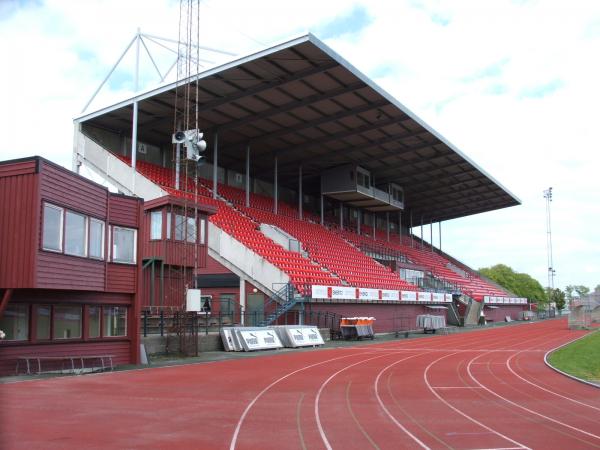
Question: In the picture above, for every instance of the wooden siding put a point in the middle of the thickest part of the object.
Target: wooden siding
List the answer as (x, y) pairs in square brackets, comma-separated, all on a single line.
[(68, 296), (57, 271), (18, 224), (124, 211), (121, 278), (213, 267), (120, 348), (64, 188)]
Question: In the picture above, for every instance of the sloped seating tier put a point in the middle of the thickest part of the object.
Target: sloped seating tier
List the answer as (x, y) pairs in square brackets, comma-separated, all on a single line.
[(337, 251), (302, 272)]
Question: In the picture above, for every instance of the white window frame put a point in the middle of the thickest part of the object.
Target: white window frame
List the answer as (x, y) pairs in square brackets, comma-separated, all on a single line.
[(85, 233), (112, 253), (61, 227), (102, 244)]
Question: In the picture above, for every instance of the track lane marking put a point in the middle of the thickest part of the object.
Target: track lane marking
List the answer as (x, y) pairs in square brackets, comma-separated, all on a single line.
[(298, 424), (360, 427), (558, 422), (322, 387), (472, 419), (260, 394)]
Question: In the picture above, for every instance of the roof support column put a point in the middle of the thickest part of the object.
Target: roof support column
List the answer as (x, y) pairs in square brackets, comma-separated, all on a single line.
[(431, 234), (341, 216), (248, 176), (275, 192), (374, 224), (177, 164), (412, 244), (387, 225), (215, 164), (300, 194), (421, 232), (322, 209), (359, 214), (400, 227), (135, 103), (440, 232)]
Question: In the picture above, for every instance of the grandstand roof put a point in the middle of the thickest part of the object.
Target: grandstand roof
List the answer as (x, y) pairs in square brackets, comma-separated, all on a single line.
[(301, 101)]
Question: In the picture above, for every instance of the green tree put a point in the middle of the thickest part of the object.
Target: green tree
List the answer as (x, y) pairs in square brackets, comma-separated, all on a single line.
[(557, 296), (597, 289), (576, 291), (520, 284)]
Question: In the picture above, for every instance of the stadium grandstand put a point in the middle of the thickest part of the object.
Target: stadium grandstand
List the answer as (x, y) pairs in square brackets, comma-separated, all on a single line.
[(316, 177)]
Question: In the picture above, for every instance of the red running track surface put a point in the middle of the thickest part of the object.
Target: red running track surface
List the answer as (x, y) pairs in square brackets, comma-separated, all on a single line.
[(486, 389)]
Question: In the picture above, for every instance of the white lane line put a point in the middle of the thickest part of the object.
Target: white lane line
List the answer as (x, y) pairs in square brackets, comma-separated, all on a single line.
[(388, 413), (558, 422), (455, 387), (325, 383), (472, 419), (255, 399), (508, 365)]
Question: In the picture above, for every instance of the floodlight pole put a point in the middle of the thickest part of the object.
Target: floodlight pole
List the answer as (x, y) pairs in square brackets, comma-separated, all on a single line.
[(551, 271)]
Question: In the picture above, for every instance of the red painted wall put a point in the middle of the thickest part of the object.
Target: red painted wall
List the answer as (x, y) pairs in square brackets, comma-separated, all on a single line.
[(389, 317), (40, 276), (499, 314), (18, 223)]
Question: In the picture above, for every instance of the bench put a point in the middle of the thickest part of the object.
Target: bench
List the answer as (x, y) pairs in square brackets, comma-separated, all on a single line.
[(68, 364)]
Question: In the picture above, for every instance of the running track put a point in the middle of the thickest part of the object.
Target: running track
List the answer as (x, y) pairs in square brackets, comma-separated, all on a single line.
[(482, 390)]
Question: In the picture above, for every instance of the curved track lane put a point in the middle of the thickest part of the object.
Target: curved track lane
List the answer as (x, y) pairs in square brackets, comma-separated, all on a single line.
[(485, 389)]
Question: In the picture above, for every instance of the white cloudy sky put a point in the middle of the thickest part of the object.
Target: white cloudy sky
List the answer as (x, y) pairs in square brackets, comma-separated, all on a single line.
[(514, 84)]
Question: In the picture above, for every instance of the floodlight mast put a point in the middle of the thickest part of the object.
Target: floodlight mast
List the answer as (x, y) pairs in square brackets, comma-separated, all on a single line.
[(551, 271)]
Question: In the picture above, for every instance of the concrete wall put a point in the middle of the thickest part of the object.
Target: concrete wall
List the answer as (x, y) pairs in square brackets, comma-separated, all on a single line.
[(115, 171)]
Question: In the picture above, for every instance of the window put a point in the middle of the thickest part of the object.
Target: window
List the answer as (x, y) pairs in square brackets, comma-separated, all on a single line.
[(15, 322), (156, 225), (43, 315), (179, 227), (191, 231), (202, 231), (168, 225), (96, 239), (124, 245), (93, 322), (75, 234), (205, 304), (53, 225), (115, 321), (67, 322)]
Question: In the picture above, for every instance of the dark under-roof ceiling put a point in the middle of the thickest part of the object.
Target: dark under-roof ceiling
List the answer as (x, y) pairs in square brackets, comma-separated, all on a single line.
[(303, 103)]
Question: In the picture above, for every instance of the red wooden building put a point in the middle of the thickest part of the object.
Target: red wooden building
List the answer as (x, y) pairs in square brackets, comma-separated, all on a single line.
[(174, 248), (70, 267)]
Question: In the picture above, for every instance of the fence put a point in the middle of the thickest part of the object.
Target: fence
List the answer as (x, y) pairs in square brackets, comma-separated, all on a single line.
[(585, 312)]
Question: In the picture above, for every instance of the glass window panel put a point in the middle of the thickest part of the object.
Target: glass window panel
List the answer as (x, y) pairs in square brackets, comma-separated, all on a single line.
[(191, 231), (123, 245), (67, 322), (226, 303), (96, 239), (75, 234), (168, 225), (15, 322), (42, 321), (156, 225), (202, 231), (179, 227), (52, 233), (115, 321), (93, 321)]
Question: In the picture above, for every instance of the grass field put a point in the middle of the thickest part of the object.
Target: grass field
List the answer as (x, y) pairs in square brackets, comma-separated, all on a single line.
[(581, 358)]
